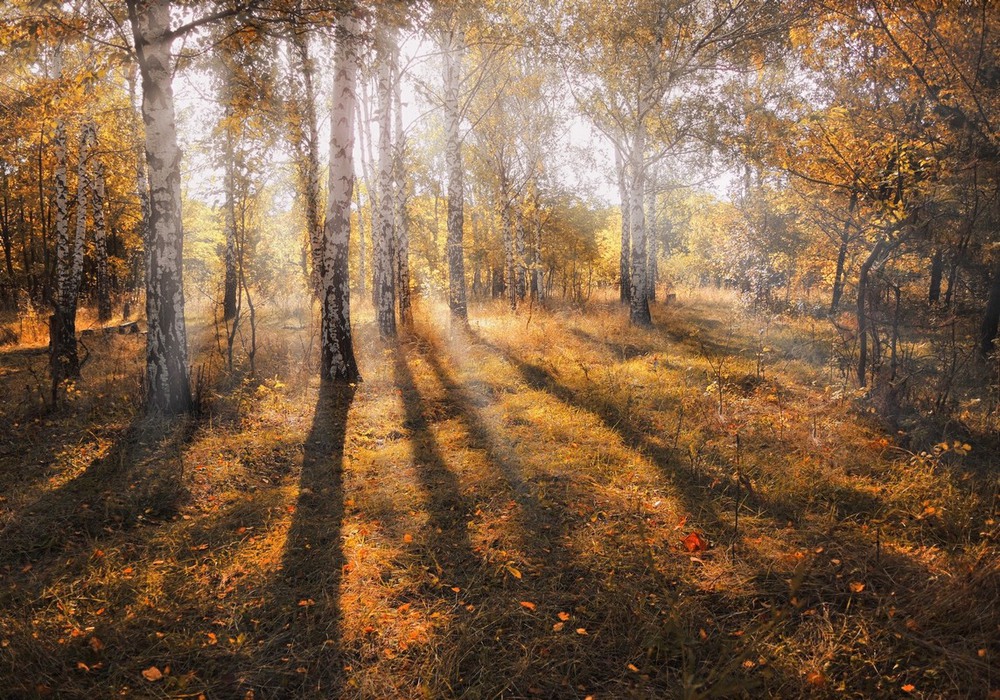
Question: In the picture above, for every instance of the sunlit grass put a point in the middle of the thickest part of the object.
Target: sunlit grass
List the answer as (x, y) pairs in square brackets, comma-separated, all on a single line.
[(505, 519)]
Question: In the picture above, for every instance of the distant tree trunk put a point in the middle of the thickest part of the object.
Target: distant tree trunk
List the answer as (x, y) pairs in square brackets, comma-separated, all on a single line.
[(401, 227), (63, 358), (862, 314), (362, 253), (167, 372), (140, 263), (101, 245), (537, 283), (624, 262), (638, 303), (507, 231), (991, 315), (651, 240), (337, 354), (384, 269), (937, 272), (309, 157), (845, 238), (231, 278), (519, 259), (453, 48)]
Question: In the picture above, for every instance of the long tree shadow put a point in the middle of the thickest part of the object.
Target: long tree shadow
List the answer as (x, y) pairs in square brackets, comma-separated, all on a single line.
[(447, 543), (137, 482), (297, 627), (693, 486), (543, 527)]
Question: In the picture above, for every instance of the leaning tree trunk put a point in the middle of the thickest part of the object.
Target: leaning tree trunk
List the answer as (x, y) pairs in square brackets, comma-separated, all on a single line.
[(453, 50), (624, 261), (101, 245), (638, 303), (337, 356), (401, 224), (384, 275), (167, 373)]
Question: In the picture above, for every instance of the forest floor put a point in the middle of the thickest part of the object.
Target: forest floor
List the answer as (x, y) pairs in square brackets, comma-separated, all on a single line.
[(548, 505)]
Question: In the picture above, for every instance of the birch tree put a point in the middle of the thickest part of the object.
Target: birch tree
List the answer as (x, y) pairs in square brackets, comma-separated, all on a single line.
[(337, 352), (382, 229)]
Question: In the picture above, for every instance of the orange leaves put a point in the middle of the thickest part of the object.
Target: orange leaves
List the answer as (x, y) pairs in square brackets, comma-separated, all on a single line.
[(857, 586), (528, 605), (564, 616), (695, 543), (558, 627), (408, 538), (306, 602), (908, 688), (152, 674)]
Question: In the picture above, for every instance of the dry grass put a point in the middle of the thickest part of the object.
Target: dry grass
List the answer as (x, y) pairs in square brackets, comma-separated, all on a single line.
[(493, 513)]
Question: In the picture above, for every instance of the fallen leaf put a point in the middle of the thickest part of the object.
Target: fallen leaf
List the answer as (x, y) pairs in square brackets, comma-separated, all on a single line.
[(212, 639), (529, 606), (96, 644), (557, 627), (564, 616), (908, 688), (857, 586), (152, 674), (408, 538), (306, 602), (581, 630), (815, 679), (83, 667), (633, 668), (695, 543)]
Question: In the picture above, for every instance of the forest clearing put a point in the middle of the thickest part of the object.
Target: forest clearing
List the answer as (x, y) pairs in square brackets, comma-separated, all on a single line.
[(499, 349), (495, 515)]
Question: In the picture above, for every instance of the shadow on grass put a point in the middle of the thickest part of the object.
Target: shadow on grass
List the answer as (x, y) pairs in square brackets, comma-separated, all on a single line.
[(296, 635), (138, 482)]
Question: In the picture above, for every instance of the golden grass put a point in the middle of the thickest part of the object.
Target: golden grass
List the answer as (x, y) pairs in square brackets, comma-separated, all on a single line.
[(493, 513)]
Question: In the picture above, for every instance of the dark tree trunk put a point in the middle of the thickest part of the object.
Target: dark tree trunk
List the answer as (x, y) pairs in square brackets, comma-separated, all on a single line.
[(991, 316), (937, 272), (845, 239)]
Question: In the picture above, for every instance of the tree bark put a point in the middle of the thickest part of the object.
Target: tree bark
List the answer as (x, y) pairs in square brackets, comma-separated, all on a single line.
[(401, 222), (101, 245), (624, 262), (382, 235), (452, 46), (991, 316), (309, 151), (167, 373), (63, 358), (638, 303), (937, 272), (651, 239), (231, 277), (337, 355), (845, 238)]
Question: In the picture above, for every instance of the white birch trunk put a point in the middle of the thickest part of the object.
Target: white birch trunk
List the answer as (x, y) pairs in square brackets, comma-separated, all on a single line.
[(101, 244), (638, 303), (401, 224), (453, 47), (167, 373), (382, 233), (337, 353)]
